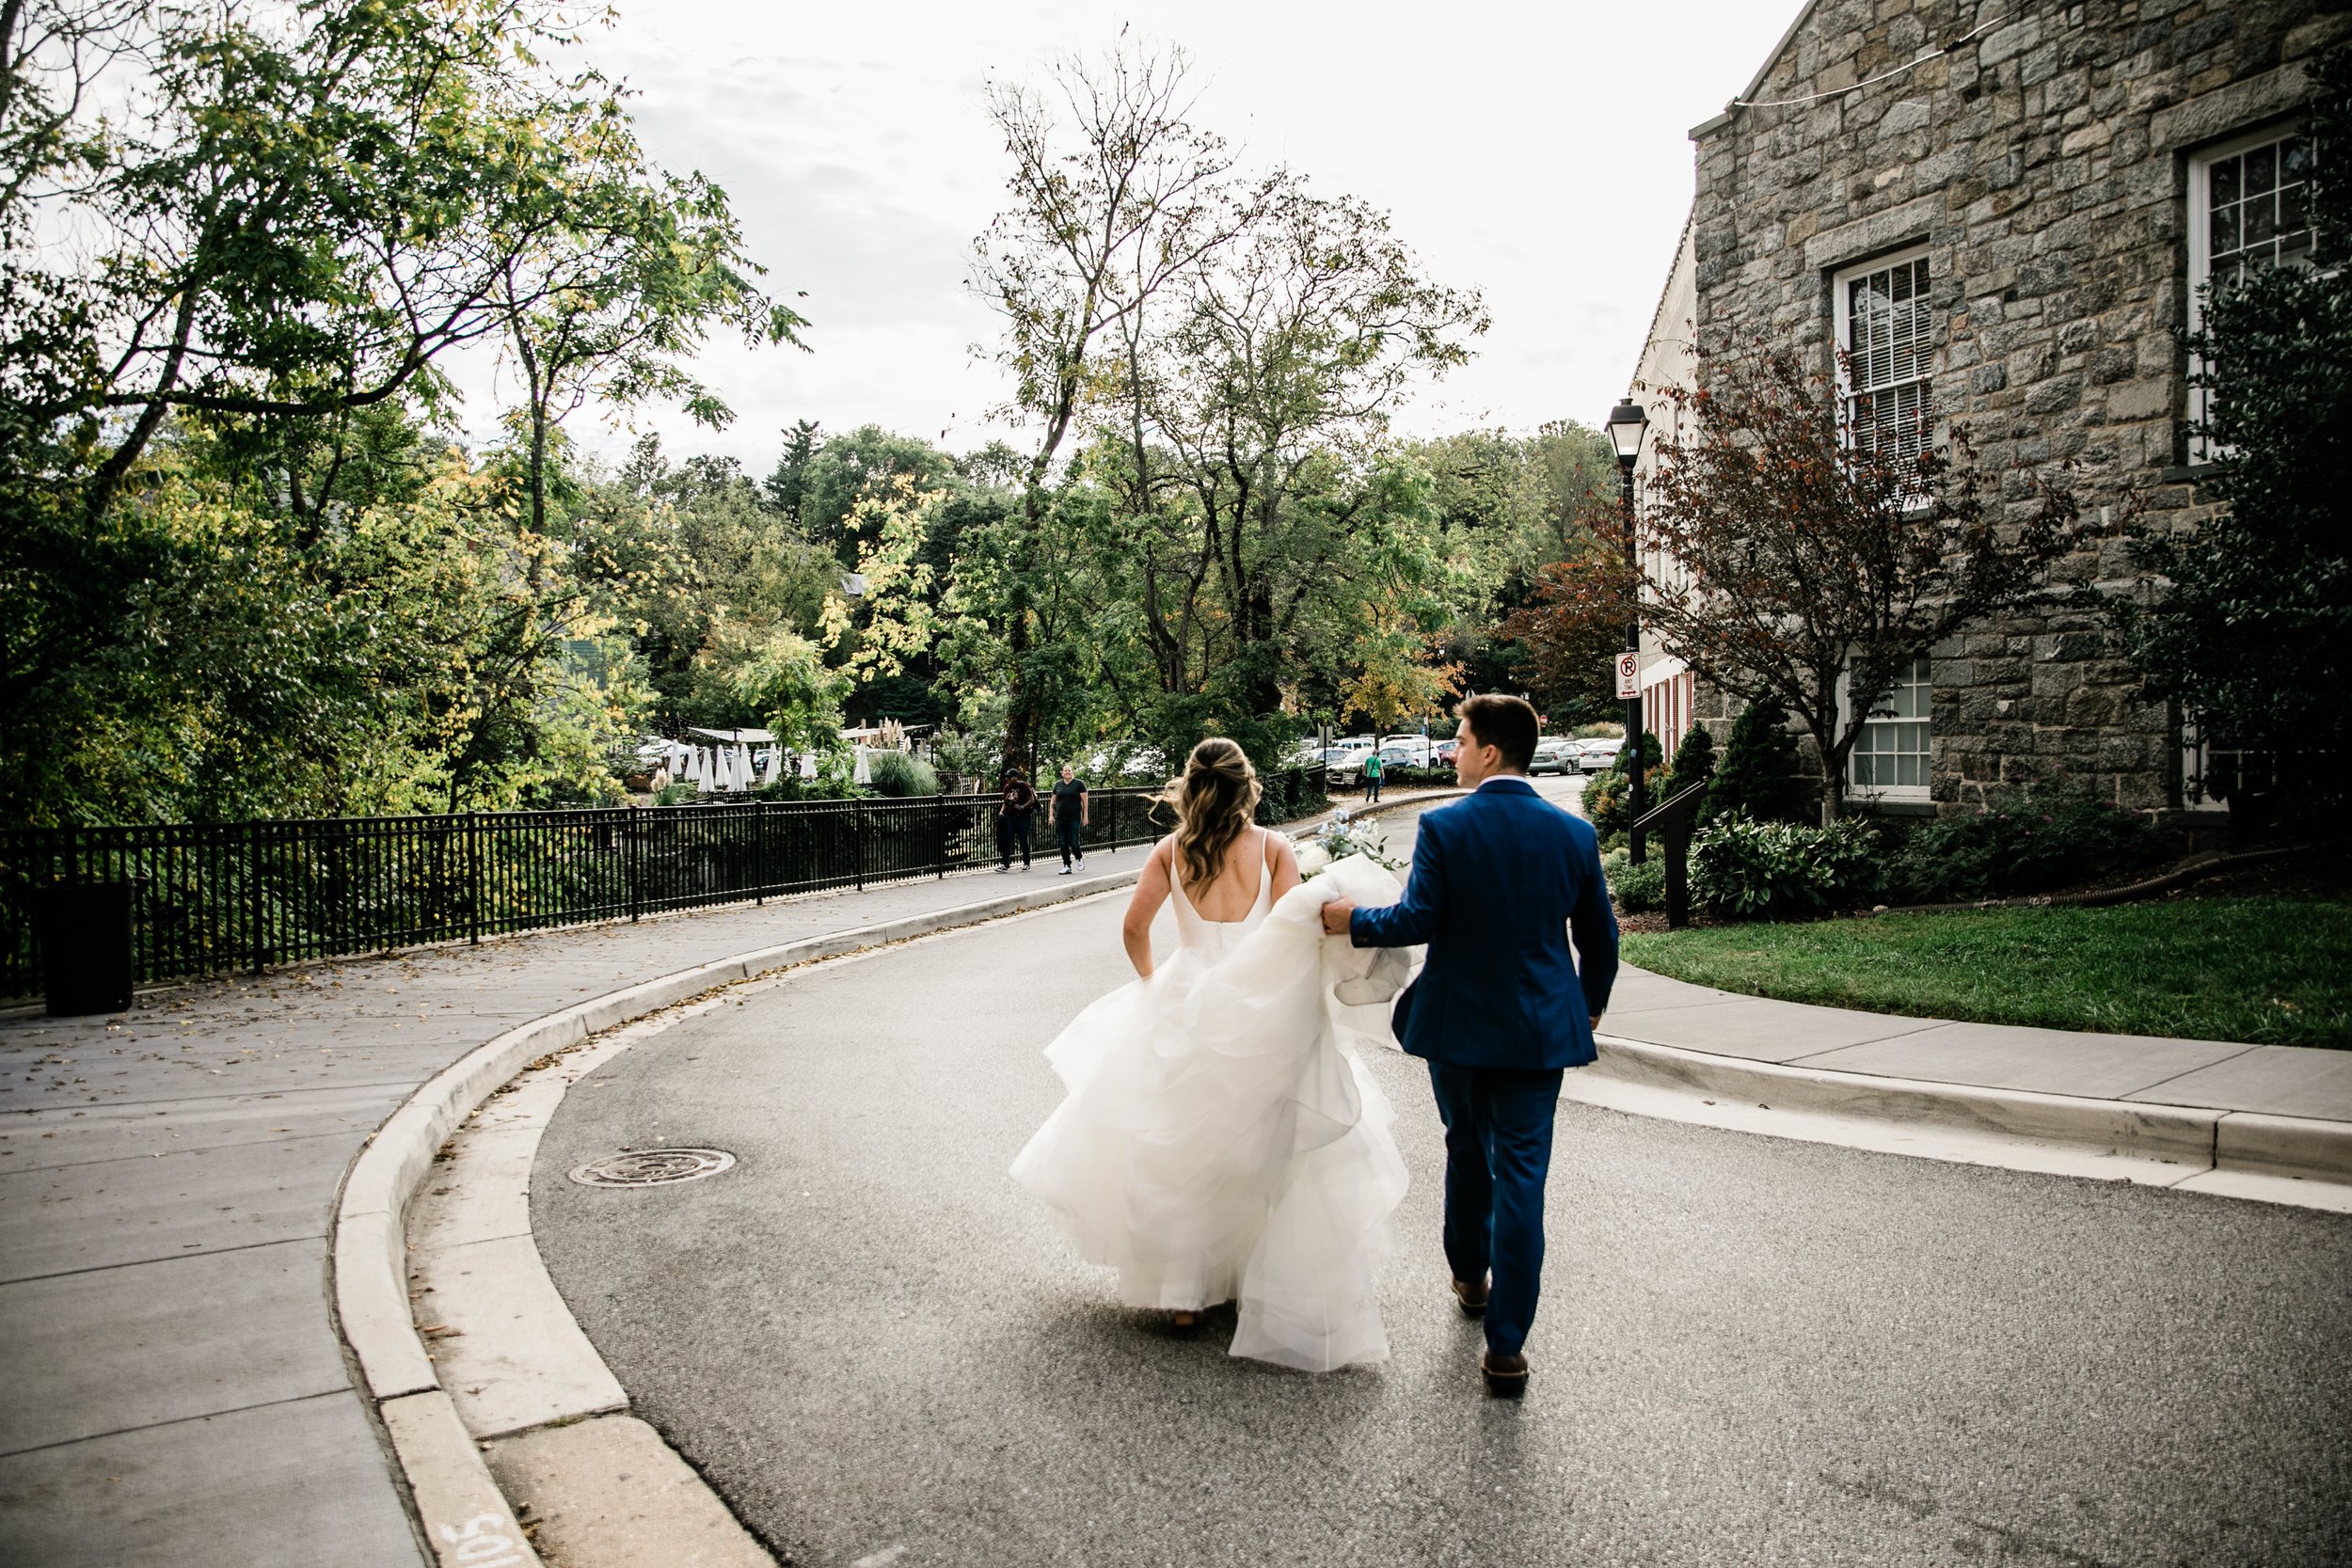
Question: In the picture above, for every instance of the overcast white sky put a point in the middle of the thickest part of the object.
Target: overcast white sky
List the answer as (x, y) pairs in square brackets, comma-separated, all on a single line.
[(1537, 151)]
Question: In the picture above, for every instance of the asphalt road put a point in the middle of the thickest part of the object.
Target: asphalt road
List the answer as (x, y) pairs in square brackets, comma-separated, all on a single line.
[(1751, 1351)]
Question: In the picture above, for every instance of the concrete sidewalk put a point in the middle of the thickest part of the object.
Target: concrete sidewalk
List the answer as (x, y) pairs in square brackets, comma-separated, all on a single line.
[(175, 1390), (2271, 1079)]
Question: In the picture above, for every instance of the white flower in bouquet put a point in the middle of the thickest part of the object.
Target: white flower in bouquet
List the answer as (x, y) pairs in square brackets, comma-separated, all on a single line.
[(1340, 838)]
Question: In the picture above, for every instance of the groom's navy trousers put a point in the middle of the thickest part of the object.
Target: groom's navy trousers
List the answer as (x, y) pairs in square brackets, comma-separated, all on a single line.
[(1501, 881)]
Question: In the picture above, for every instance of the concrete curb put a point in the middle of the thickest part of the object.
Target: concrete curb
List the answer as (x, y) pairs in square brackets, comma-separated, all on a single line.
[(458, 1503), (2190, 1139)]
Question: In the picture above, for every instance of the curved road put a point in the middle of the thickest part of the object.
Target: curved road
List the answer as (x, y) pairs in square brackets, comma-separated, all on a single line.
[(1752, 1351)]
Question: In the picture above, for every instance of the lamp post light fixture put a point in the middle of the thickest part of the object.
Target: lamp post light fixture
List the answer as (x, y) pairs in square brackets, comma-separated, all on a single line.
[(1627, 425)]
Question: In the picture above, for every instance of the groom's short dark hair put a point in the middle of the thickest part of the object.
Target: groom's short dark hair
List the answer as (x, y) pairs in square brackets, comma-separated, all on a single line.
[(1506, 723)]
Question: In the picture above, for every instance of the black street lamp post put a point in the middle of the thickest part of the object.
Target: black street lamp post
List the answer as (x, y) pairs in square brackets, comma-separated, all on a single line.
[(1627, 424)]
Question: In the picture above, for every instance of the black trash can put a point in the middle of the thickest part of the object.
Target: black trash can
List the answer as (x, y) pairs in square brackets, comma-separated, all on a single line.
[(86, 961)]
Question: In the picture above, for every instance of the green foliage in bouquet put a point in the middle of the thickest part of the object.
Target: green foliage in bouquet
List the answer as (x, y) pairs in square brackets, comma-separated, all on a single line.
[(1340, 838)]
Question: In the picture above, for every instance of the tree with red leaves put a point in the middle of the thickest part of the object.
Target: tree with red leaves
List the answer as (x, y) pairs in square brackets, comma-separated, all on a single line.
[(1803, 543)]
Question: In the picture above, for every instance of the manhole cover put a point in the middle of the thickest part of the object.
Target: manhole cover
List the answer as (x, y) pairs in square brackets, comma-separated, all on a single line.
[(652, 1167)]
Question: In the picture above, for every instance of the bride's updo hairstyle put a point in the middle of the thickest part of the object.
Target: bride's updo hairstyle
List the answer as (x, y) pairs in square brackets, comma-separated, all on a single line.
[(1214, 800)]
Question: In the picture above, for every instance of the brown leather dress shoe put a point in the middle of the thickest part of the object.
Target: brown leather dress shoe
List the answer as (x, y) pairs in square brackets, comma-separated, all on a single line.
[(1506, 1375), (1472, 1297)]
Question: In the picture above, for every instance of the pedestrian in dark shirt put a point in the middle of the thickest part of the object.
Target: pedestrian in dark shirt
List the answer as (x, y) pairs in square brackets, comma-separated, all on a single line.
[(1016, 814), (1067, 811)]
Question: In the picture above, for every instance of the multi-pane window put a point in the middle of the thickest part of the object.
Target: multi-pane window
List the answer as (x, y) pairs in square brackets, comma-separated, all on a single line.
[(1887, 334), (2249, 207), (2210, 775), (2258, 208), (1890, 755)]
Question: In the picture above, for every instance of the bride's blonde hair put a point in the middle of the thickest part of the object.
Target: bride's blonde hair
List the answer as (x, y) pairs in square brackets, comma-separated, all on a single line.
[(1215, 801)]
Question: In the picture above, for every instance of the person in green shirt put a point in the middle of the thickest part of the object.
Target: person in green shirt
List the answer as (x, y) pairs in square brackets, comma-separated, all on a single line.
[(1372, 778)]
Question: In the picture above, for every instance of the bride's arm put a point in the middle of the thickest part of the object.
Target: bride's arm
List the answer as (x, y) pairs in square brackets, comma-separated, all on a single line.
[(1151, 892)]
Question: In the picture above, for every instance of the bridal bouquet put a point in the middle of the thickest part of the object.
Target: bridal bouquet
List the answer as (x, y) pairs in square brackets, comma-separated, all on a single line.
[(1340, 838), (1349, 859)]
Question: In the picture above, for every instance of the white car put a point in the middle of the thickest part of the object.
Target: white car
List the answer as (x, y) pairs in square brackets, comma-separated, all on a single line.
[(1407, 751), (1345, 762), (1596, 755)]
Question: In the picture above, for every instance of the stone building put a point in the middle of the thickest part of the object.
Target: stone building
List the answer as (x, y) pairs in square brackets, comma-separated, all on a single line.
[(2010, 205)]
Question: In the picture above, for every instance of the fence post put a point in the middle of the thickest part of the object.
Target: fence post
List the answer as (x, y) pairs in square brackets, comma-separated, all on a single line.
[(473, 877), (857, 840), (629, 862), (253, 892), (759, 853)]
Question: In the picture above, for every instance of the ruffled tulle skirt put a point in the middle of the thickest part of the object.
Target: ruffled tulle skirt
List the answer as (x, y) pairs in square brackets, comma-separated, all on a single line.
[(1221, 1140)]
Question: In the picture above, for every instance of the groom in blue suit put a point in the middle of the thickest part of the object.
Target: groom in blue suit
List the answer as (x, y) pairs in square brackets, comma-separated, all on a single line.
[(1499, 882)]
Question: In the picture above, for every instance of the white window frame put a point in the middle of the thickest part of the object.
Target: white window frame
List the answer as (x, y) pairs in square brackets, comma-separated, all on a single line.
[(2195, 763), (1924, 790), (1840, 294), (2200, 255)]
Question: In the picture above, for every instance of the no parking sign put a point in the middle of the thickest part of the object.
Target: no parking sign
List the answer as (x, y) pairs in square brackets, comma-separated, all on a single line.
[(1629, 674)]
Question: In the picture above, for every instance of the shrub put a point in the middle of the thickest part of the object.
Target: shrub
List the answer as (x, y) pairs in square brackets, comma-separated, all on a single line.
[(1693, 764), (966, 754), (1604, 803), (1757, 778), (1743, 869), (1608, 799), (899, 774), (1636, 887), (2024, 841), (826, 786), (1652, 755)]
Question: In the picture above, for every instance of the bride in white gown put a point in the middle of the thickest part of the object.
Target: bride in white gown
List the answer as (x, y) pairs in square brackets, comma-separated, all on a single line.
[(1221, 1141)]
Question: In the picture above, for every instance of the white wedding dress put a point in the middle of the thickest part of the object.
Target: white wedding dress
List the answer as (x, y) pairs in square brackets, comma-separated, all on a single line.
[(1222, 1141)]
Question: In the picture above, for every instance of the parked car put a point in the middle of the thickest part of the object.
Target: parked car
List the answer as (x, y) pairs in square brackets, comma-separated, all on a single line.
[(1598, 753), (1553, 754), (1443, 754), (1406, 750), (1345, 764)]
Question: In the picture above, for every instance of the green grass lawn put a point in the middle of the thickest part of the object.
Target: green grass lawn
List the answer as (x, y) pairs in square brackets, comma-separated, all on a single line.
[(2271, 971)]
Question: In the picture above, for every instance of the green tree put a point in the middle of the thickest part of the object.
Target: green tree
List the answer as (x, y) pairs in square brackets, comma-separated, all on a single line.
[(840, 473), (2247, 621), (1113, 194), (242, 573), (1758, 776), (1694, 762)]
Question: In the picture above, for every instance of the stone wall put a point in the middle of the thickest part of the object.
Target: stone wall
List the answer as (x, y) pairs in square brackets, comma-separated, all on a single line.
[(2043, 165)]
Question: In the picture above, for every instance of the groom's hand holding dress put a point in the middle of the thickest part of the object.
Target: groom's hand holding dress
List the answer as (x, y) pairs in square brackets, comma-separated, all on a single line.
[(1499, 880)]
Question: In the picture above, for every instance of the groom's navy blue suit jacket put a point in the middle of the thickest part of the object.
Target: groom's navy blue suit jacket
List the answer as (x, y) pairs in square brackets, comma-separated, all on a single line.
[(1500, 879)]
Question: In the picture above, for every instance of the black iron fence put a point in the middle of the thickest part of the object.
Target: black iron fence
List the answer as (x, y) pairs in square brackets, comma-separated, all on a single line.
[(208, 898)]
